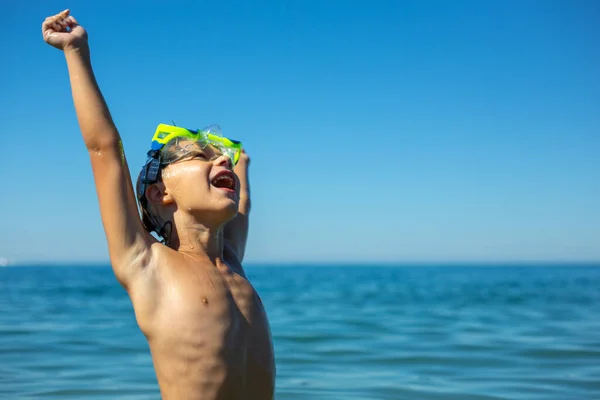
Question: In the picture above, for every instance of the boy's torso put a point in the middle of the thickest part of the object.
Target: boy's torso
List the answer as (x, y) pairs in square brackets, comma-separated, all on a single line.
[(207, 330)]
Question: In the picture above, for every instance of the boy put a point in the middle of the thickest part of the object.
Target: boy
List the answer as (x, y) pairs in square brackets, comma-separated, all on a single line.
[(205, 324)]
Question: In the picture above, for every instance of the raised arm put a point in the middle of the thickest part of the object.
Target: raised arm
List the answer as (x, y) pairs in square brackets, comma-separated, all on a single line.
[(128, 242), (236, 230)]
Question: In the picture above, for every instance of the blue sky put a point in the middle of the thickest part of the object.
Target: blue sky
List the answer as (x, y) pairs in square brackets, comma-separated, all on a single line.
[(381, 131)]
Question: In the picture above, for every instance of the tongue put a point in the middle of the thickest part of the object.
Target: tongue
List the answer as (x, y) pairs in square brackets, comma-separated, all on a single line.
[(221, 183)]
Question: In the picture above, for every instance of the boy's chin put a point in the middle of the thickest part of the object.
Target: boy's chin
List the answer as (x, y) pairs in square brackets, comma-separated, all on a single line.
[(221, 210), (224, 211)]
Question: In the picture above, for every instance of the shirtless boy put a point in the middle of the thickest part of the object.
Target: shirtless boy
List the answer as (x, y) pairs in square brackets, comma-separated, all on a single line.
[(205, 324)]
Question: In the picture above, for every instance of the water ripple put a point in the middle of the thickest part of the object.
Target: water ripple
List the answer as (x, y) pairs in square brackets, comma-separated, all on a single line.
[(339, 333)]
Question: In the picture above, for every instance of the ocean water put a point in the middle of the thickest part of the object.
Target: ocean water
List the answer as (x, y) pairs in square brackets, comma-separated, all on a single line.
[(460, 333)]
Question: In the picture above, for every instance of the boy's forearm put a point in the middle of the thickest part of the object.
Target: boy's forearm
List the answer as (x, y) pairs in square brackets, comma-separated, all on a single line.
[(95, 121), (244, 204), (236, 230)]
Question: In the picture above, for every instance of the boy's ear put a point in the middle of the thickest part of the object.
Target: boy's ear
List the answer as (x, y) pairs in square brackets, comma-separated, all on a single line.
[(158, 194)]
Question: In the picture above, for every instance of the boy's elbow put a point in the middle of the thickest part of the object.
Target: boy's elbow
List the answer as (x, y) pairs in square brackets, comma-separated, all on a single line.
[(104, 144), (100, 137)]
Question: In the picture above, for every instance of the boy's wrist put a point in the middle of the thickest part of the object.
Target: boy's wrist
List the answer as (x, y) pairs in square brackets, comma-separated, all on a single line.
[(77, 48)]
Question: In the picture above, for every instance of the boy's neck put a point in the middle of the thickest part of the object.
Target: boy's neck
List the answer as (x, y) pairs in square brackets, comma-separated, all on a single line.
[(198, 241)]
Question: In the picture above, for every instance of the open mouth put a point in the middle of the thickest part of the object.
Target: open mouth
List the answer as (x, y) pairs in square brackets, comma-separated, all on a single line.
[(224, 180)]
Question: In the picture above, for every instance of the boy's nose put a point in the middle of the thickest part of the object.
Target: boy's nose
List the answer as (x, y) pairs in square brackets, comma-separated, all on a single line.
[(224, 161)]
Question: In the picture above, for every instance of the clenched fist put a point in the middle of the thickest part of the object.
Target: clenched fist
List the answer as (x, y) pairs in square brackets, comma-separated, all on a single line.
[(63, 32)]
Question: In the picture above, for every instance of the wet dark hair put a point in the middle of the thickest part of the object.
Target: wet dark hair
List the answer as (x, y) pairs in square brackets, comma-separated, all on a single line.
[(150, 221)]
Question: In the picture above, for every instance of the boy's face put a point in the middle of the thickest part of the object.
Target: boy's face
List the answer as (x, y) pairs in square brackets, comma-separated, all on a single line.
[(201, 181)]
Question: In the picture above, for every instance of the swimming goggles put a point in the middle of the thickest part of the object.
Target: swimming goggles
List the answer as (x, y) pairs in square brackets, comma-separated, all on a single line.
[(167, 136)]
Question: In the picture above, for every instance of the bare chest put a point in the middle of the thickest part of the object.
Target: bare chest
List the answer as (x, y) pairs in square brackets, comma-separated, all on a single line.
[(221, 303)]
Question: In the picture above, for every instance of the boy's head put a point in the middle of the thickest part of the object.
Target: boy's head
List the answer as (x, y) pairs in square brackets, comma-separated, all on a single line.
[(190, 171)]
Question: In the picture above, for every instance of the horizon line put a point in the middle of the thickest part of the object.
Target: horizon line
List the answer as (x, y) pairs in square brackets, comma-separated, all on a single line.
[(359, 263)]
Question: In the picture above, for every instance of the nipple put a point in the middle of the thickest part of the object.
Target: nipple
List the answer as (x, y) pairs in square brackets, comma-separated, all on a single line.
[(205, 300)]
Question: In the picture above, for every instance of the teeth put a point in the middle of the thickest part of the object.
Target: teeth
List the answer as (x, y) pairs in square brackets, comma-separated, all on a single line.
[(225, 178)]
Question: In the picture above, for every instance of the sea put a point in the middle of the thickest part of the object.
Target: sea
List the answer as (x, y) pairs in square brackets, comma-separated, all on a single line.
[(344, 332)]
